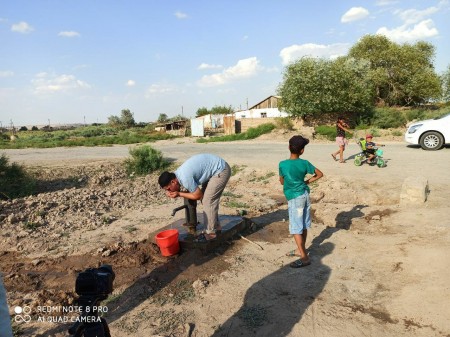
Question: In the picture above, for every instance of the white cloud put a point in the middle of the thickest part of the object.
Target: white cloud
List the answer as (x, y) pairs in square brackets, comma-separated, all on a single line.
[(6, 73), (69, 34), (243, 69), (385, 2), (209, 66), (422, 30), (416, 24), (47, 84), (354, 14), (181, 15), (130, 83), (411, 16), (160, 89), (22, 27), (294, 52)]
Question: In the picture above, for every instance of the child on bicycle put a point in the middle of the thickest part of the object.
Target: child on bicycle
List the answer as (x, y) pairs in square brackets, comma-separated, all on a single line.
[(371, 148)]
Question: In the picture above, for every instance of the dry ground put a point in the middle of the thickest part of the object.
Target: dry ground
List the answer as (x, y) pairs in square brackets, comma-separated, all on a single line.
[(378, 268)]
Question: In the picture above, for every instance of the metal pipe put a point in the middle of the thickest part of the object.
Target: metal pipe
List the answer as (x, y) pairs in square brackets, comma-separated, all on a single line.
[(177, 209), (190, 212)]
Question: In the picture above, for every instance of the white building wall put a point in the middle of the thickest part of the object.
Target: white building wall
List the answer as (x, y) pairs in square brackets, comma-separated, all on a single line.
[(197, 128), (259, 113), (212, 121)]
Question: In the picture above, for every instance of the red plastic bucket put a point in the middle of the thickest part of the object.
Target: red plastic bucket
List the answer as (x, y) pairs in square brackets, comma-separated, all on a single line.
[(167, 242)]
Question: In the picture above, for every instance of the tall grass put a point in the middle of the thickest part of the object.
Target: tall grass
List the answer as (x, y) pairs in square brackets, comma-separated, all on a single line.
[(251, 133), (84, 136)]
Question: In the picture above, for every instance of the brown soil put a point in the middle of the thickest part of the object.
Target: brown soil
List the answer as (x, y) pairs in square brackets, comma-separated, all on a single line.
[(378, 268)]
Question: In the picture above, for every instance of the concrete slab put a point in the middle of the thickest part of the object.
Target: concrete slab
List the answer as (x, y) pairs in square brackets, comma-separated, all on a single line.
[(231, 225)]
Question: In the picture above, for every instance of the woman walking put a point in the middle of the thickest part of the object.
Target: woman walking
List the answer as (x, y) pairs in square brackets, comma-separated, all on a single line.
[(341, 141)]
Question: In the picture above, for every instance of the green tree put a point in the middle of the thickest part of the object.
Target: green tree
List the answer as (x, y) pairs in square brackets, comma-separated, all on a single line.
[(114, 121), (127, 118), (178, 118), (202, 112), (311, 86), (215, 110), (445, 80), (221, 110), (162, 118), (402, 74)]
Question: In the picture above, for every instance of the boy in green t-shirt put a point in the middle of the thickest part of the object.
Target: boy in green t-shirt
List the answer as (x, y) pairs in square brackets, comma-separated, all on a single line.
[(292, 176)]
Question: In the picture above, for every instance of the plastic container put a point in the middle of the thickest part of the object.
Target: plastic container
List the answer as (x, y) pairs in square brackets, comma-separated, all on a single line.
[(167, 242)]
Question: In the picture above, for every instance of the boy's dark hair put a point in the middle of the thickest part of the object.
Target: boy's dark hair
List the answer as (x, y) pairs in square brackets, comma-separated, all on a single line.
[(165, 178), (297, 144)]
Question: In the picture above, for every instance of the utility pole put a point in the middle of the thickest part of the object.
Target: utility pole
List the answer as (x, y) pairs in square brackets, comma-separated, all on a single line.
[(182, 111)]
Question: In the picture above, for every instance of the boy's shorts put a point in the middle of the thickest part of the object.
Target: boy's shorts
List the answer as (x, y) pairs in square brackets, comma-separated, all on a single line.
[(299, 214)]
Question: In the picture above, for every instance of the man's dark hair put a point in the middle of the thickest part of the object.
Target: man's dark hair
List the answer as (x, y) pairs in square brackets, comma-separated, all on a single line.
[(297, 144), (165, 178)]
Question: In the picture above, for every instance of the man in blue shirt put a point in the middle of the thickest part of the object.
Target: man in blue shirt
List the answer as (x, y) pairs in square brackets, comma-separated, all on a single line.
[(5, 325), (208, 171)]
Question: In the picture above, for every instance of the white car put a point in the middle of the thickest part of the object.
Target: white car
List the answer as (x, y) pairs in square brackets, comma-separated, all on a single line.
[(430, 134)]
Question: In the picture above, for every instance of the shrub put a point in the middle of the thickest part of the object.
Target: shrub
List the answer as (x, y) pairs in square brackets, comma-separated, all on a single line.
[(253, 133), (284, 123), (15, 182), (329, 132), (325, 130), (415, 115), (144, 160), (385, 118), (375, 132), (250, 134), (362, 127)]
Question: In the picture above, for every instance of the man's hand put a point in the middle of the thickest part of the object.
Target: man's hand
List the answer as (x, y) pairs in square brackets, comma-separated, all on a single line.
[(172, 194)]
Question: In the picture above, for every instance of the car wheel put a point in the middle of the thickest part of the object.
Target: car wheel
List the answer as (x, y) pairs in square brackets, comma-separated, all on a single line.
[(431, 141)]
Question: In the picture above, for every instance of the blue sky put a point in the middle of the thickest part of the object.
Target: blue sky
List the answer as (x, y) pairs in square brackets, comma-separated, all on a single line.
[(77, 61)]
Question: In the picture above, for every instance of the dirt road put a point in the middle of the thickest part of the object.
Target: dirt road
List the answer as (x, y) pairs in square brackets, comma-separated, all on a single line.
[(402, 160)]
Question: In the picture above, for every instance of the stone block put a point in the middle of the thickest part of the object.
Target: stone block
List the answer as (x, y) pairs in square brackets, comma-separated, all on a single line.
[(414, 191)]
